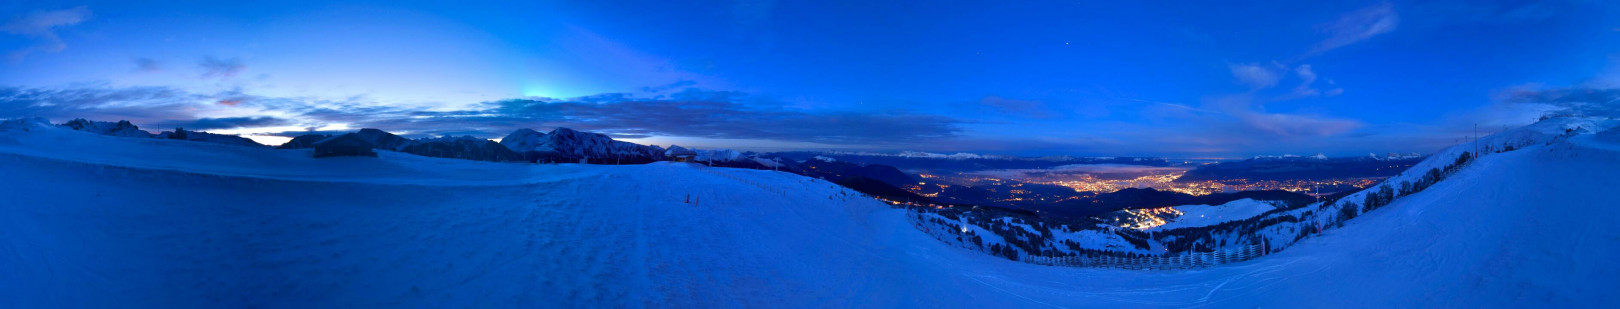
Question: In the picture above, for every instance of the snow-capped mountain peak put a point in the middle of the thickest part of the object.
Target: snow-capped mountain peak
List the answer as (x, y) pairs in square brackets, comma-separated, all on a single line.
[(122, 128), (577, 144), (522, 140)]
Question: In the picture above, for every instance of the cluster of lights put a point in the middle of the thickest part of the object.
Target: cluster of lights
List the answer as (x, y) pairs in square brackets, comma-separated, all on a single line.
[(1167, 182), (1147, 218), (1089, 183), (1086, 184)]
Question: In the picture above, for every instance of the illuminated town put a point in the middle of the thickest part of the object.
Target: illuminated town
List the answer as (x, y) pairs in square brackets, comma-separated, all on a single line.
[(1045, 189), (1088, 183)]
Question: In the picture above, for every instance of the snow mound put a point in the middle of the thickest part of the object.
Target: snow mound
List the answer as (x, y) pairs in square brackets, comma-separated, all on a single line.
[(716, 155), (24, 124)]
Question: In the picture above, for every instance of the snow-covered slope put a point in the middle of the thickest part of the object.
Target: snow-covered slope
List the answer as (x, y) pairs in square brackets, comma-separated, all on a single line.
[(163, 223), (1207, 215), (1537, 135)]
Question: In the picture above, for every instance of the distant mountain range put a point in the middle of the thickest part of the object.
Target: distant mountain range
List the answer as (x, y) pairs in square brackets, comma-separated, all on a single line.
[(123, 128), (561, 145), (1295, 167), (965, 162), (818, 167)]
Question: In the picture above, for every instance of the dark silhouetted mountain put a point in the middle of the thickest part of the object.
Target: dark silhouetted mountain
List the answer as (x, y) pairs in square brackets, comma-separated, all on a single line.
[(303, 141), (878, 188), (465, 147), (197, 136), (835, 170), (384, 140)]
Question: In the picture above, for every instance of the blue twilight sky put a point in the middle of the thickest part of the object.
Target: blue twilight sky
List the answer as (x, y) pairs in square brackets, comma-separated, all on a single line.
[(1182, 79)]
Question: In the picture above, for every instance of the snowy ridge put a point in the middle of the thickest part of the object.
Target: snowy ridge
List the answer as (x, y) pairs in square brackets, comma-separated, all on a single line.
[(122, 128), (720, 155), (1543, 132), (954, 156), (733, 156), (25, 124)]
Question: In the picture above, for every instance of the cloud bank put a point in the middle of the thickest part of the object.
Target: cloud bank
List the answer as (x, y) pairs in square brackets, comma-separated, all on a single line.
[(691, 113)]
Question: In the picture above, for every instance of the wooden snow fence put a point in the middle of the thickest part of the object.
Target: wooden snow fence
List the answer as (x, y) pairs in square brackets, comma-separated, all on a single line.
[(1185, 260)]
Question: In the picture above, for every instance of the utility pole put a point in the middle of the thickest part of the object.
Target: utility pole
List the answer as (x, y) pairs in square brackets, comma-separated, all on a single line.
[(1476, 140), (1314, 192)]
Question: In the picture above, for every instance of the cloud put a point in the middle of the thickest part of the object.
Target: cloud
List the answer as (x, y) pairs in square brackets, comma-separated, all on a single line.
[(1254, 75), (1245, 115), (1307, 77), (1288, 125), (147, 65), (42, 25), (221, 68), (1021, 108), (136, 104), (1307, 85), (700, 114), (225, 123), (682, 84), (1579, 100), (1228, 124), (1260, 77), (1357, 26)]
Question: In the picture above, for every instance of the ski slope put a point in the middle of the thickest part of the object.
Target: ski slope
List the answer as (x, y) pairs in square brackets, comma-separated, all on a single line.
[(98, 221)]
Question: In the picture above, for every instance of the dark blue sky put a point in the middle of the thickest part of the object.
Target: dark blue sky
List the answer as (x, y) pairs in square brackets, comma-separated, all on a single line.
[(1106, 78)]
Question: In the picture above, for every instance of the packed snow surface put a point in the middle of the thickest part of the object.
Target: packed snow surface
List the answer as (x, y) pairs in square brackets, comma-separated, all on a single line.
[(1207, 215), (89, 220)]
